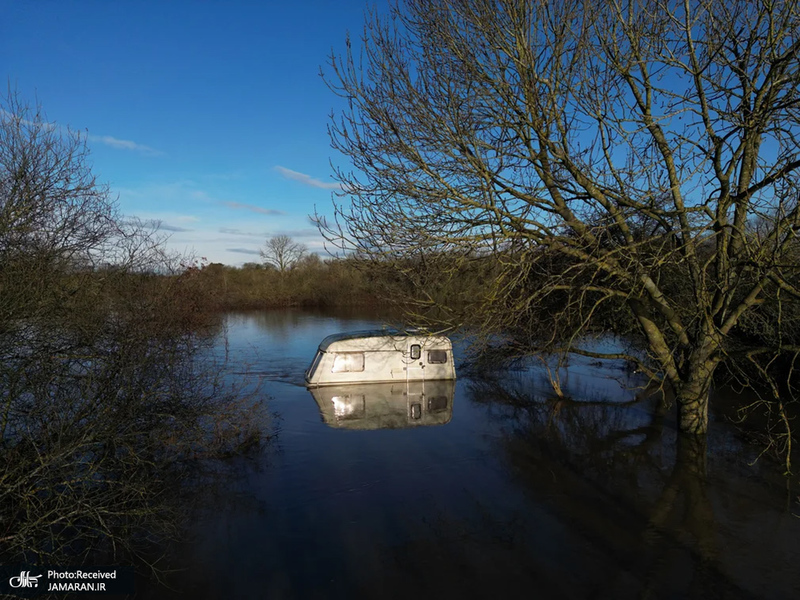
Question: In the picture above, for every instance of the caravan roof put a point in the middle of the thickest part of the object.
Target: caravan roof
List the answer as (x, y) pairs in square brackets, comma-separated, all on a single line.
[(376, 339)]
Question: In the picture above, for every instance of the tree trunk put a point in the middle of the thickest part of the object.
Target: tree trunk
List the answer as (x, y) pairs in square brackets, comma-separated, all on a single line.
[(692, 398)]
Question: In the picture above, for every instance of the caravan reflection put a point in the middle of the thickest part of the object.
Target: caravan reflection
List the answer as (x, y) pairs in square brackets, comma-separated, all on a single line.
[(386, 405)]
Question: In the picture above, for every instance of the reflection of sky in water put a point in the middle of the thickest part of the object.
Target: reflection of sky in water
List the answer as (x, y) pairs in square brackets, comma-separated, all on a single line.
[(279, 345), (517, 491)]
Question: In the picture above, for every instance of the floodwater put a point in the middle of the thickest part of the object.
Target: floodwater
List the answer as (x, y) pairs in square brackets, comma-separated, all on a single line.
[(479, 489)]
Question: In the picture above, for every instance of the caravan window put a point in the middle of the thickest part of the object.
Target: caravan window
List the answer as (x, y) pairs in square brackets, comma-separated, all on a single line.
[(416, 351), (348, 362), (437, 357), (437, 403)]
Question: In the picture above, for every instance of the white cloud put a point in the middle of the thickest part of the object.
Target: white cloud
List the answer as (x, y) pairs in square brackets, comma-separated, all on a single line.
[(235, 231), (299, 233), (252, 208), (166, 227), (307, 179), (292, 233), (17, 119), (201, 195), (123, 144), (100, 139), (155, 224)]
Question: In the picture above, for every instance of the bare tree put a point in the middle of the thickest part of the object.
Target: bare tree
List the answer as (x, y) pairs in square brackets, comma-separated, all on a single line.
[(106, 391), (282, 252), (50, 203), (639, 155)]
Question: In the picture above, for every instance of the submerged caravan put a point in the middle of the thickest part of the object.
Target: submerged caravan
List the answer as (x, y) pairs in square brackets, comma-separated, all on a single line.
[(377, 356)]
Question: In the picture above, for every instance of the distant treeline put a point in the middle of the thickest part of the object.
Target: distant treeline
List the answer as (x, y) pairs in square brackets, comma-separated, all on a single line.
[(438, 282), (311, 282)]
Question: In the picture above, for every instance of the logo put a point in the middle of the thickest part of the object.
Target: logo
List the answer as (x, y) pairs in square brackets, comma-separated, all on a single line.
[(24, 580)]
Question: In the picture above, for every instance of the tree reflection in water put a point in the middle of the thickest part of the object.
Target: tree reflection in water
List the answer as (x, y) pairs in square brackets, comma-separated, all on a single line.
[(619, 505)]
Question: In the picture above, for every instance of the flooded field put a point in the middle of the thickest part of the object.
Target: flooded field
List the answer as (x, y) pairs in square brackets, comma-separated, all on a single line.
[(481, 488)]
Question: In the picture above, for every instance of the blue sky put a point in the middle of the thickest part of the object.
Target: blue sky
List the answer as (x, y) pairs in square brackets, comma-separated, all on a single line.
[(207, 116)]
